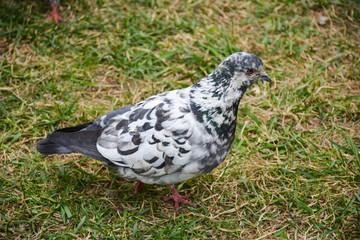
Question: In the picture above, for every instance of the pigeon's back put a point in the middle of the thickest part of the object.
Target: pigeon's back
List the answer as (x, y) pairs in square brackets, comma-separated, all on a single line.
[(156, 141), (159, 141)]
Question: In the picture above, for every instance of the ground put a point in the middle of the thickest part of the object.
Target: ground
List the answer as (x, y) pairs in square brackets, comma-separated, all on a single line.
[(294, 169)]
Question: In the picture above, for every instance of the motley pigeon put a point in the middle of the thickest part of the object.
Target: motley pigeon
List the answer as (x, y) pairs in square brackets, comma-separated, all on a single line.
[(53, 13), (171, 137)]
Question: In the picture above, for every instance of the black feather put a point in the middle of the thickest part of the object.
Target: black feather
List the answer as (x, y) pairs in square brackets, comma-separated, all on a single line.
[(73, 140), (47, 147)]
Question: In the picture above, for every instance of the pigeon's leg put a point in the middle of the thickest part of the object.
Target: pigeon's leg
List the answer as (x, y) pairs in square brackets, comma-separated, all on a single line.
[(139, 187), (54, 14), (179, 199)]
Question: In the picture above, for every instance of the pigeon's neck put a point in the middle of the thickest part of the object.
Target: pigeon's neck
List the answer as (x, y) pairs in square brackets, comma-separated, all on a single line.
[(215, 100)]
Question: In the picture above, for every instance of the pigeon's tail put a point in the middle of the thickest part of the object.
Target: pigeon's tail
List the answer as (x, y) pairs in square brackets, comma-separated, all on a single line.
[(76, 139), (46, 147)]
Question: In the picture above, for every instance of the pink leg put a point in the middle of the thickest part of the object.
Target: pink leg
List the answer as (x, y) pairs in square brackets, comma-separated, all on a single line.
[(179, 199), (54, 14), (139, 187)]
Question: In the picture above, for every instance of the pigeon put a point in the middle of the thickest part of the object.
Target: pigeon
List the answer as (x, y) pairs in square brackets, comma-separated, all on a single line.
[(170, 137), (53, 13)]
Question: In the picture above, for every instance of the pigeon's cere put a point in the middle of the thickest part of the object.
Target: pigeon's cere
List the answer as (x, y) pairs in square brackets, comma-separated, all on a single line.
[(171, 137)]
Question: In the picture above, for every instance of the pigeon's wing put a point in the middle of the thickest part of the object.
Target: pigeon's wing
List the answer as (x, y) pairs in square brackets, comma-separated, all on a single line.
[(105, 120), (152, 139)]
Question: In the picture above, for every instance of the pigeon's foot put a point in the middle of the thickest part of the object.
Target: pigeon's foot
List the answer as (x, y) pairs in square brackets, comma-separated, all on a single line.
[(139, 187), (54, 15), (179, 199)]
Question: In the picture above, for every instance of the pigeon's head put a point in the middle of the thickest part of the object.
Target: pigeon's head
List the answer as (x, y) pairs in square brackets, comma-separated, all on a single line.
[(231, 78), (246, 68)]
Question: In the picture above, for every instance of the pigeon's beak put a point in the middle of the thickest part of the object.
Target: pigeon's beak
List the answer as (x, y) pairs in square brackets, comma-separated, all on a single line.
[(265, 77)]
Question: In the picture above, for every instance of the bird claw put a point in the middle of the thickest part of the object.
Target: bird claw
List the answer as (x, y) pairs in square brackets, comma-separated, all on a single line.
[(139, 187), (54, 15), (177, 198)]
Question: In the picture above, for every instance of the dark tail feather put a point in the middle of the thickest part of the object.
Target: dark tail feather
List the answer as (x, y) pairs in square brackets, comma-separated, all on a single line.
[(72, 140), (46, 147)]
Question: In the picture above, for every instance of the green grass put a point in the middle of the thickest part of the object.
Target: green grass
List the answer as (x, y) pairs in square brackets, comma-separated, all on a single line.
[(294, 170)]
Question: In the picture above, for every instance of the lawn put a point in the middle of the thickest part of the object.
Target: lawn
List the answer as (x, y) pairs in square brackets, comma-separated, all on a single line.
[(294, 169)]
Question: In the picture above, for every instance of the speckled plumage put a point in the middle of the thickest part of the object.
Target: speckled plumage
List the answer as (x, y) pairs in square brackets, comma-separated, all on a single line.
[(170, 137)]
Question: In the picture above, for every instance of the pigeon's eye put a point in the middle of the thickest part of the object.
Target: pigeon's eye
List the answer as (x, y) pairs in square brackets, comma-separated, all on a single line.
[(250, 71)]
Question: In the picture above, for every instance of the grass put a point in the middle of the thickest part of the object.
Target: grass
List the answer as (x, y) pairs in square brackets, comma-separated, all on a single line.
[(293, 172)]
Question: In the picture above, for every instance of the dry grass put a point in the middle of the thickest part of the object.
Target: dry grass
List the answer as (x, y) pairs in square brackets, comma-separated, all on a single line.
[(293, 173)]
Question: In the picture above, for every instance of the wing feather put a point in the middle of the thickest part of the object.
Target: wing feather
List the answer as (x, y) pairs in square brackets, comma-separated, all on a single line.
[(151, 139)]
